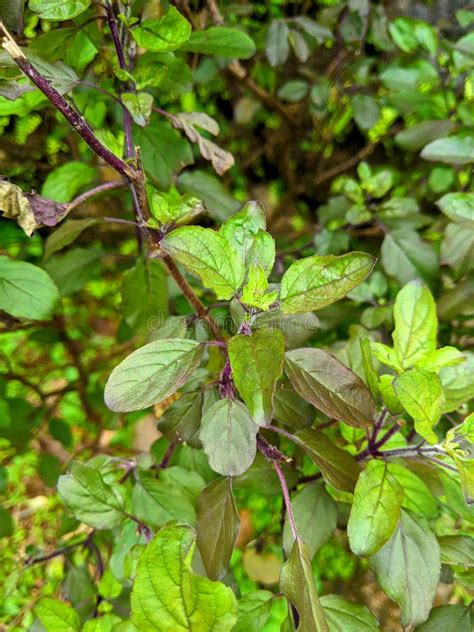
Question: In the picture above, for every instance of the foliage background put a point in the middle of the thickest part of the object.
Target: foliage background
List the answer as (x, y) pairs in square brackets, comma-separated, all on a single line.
[(348, 128)]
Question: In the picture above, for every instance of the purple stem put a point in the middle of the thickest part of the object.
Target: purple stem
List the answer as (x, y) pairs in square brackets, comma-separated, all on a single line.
[(75, 119), (286, 497), (107, 186)]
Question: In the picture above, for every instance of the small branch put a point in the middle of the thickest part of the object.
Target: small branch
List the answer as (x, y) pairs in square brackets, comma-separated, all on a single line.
[(286, 497), (165, 461), (191, 297), (107, 186), (63, 106), (62, 551)]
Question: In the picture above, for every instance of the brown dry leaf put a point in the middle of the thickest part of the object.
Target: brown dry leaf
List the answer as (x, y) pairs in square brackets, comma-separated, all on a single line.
[(15, 205)]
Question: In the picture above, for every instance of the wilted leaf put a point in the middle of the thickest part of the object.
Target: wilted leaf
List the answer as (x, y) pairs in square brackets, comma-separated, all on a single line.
[(15, 205)]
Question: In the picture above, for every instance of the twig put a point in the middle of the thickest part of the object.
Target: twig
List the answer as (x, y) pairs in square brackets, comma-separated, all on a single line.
[(107, 186), (286, 497)]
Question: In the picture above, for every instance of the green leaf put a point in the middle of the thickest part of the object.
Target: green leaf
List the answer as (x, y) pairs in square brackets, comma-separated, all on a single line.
[(446, 356), (458, 382), (152, 373), (338, 467), (164, 152), (208, 255), (459, 444), (64, 182), (421, 395), (313, 500), (54, 10), (459, 207), (330, 386), (157, 501), (457, 550), (228, 435), (457, 248), (26, 291), (415, 319), (222, 41), (453, 150), (343, 615), (386, 355), (210, 190), (406, 257), (254, 292), (297, 584), (315, 282), (293, 91), (417, 136), (242, 227), (371, 376), (408, 569), (254, 611), (376, 509), (66, 234), (90, 498), (262, 252), (72, 270), (277, 47), (217, 527), (168, 597), (7, 526), (139, 104), (57, 616), (291, 409), (182, 420), (455, 618), (163, 35), (105, 623), (257, 363), (366, 111), (417, 497), (145, 295)]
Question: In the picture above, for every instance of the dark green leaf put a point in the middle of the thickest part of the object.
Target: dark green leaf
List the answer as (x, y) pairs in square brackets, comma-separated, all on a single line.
[(417, 136), (155, 502), (211, 191), (330, 386), (217, 527), (66, 234), (222, 41), (145, 296), (297, 584), (338, 467), (343, 615), (455, 618)]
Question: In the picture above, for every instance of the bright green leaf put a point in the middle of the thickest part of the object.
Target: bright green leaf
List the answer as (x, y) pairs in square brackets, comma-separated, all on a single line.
[(163, 35), (54, 10), (222, 41), (57, 616), (459, 207)]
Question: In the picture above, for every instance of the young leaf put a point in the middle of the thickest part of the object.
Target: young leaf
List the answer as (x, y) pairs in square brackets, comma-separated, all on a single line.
[(58, 11), (310, 502), (262, 251), (222, 41), (254, 611), (316, 282), (217, 527), (421, 395), (152, 373), (90, 498), (376, 509), (342, 614), (338, 467), (257, 363), (330, 386), (446, 356), (297, 584), (386, 355), (26, 291), (228, 435), (254, 291), (242, 227), (167, 596), (408, 568), (208, 255), (415, 319), (163, 35), (139, 105), (371, 376), (57, 616)]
